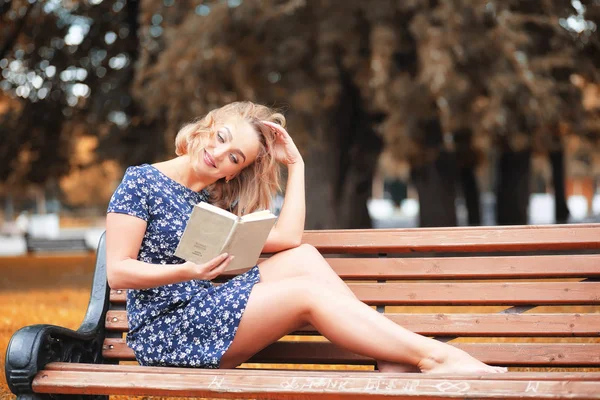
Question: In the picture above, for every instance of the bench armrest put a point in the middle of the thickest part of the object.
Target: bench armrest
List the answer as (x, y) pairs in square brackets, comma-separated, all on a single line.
[(32, 347)]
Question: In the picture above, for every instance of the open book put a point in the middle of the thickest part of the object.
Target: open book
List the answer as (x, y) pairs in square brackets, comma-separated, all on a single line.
[(212, 231)]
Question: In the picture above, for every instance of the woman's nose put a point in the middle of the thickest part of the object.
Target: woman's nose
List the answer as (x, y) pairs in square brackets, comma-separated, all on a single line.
[(219, 151)]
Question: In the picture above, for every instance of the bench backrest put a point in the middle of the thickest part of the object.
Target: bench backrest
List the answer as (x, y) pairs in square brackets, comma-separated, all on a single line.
[(516, 296)]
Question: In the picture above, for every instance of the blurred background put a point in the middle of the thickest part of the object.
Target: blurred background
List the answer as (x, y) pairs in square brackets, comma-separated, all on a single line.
[(408, 113)]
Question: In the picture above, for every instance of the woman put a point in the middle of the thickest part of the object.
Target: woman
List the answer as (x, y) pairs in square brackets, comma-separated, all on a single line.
[(178, 318)]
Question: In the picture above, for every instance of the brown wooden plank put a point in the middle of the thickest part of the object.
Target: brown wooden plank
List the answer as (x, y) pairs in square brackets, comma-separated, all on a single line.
[(513, 267), (522, 354), (523, 238), (121, 368), (560, 266), (304, 386), (459, 293), (479, 293), (477, 228), (463, 324), (492, 353)]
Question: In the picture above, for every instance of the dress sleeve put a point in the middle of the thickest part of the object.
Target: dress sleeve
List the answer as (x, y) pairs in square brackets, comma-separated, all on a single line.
[(131, 196)]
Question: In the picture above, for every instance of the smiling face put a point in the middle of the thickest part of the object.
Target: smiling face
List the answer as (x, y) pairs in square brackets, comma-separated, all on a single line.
[(233, 142), (233, 146)]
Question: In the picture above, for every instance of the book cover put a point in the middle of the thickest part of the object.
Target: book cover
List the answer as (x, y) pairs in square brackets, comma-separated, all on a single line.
[(211, 231)]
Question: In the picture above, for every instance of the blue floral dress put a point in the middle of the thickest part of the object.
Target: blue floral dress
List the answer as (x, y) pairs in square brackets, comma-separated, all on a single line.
[(187, 324)]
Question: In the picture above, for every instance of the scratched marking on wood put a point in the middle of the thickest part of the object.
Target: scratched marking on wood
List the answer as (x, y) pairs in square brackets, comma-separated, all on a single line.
[(373, 385), (532, 387)]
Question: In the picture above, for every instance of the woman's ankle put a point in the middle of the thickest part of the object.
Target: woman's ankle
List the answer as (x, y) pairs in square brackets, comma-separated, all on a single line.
[(433, 359)]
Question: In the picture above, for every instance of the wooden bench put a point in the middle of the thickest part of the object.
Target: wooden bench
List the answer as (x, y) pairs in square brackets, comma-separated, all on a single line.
[(42, 245), (523, 297)]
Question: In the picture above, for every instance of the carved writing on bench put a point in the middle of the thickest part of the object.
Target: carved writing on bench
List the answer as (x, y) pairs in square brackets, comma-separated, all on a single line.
[(532, 387), (216, 383), (388, 385), (316, 383), (452, 387), (373, 385)]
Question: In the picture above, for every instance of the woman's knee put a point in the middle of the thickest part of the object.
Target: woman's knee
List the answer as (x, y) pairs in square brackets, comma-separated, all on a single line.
[(302, 261), (306, 251), (311, 257)]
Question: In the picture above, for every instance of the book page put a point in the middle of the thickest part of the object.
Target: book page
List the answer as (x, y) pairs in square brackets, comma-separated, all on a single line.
[(248, 241), (217, 210), (264, 214), (206, 233)]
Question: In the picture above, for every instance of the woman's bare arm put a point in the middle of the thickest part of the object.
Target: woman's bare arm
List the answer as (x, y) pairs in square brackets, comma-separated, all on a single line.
[(124, 234), (287, 233)]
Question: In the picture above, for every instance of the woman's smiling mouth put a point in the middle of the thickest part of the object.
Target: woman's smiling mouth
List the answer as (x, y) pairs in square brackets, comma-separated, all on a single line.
[(209, 160)]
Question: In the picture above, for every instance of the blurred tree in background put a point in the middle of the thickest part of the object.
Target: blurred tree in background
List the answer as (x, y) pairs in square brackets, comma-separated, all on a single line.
[(66, 73), (425, 83)]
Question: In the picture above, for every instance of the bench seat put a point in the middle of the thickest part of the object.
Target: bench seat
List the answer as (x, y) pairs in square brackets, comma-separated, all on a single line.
[(526, 297), (278, 384)]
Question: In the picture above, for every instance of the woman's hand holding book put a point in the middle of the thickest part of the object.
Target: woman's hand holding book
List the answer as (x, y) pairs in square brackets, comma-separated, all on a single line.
[(209, 270)]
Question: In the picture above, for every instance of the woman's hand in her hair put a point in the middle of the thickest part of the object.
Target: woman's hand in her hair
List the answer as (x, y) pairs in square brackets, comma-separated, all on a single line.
[(209, 270), (285, 149)]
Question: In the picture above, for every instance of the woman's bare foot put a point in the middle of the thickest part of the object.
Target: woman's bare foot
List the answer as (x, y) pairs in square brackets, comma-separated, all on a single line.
[(387, 366), (457, 362)]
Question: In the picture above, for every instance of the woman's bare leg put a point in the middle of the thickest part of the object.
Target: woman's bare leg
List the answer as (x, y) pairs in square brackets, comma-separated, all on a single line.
[(306, 261), (303, 261), (275, 309)]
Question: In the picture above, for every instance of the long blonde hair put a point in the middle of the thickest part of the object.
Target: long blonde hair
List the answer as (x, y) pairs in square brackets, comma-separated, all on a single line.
[(256, 185)]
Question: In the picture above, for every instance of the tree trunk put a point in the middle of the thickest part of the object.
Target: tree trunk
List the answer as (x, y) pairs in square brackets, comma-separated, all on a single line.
[(40, 200), (341, 164), (512, 191), (337, 192), (470, 190), (467, 159), (435, 183), (320, 201), (9, 208), (561, 210)]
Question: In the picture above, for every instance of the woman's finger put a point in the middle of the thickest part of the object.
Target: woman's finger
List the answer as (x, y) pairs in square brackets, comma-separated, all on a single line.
[(215, 262), (278, 128), (221, 267)]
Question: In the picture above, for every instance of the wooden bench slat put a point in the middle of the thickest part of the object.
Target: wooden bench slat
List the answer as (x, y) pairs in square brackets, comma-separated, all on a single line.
[(470, 228), (529, 354), (464, 324), (123, 368), (513, 267), (479, 293), (459, 293), (523, 238), (302, 386), (490, 353)]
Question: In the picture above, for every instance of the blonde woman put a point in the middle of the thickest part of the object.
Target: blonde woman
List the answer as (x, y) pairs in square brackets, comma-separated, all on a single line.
[(178, 318)]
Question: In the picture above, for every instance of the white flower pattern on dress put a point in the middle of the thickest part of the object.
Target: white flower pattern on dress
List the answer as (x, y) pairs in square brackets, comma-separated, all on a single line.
[(187, 324)]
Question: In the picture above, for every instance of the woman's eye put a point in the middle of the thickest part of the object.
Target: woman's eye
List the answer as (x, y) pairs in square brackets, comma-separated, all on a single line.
[(220, 138), (233, 158)]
